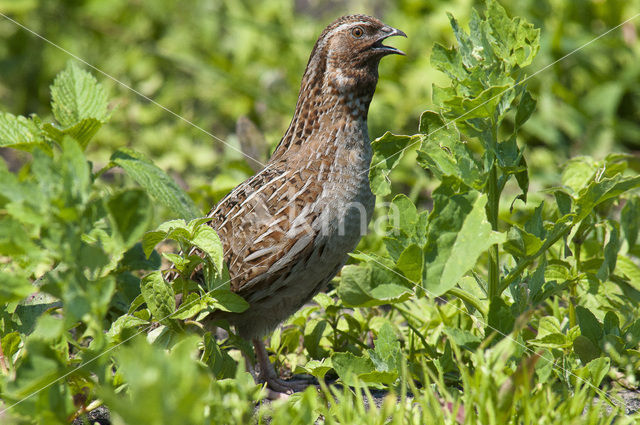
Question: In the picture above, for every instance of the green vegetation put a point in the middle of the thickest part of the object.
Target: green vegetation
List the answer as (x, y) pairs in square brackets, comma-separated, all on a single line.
[(501, 285)]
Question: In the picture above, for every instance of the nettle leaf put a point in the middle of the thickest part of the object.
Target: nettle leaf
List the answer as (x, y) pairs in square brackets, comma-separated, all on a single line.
[(388, 150), (206, 239), (19, 132), (463, 338), (156, 182), (444, 154), (372, 283), (228, 301), (458, 234), (159, 296), (77, 95), (76, 172), (598, 192), (130, 212), (79, 103)]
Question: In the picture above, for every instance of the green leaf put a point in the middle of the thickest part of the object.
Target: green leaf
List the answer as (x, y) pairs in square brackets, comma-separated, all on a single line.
[(228, 301), (159, 185), (590, 327), (448, 61), (122, 324), (207, 240), (444, 154), (585, 349), (158, 295), (630, 220), (83, 131), (598, 369), (525, 108), (500, 318), (458, 234), (18, 132), (410, 263), (77, 95), (610, 252), (130, 213), (316, 368), (387, 152), (578, 172), (372, 284), (387, 355), (598, 192), (463, 338), (14, 287)]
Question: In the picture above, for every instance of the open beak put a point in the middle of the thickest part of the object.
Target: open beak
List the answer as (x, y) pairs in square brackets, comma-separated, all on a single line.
[(386, 33)]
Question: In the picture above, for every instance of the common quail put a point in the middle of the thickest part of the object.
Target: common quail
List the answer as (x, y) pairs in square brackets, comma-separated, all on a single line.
[(287, 231)]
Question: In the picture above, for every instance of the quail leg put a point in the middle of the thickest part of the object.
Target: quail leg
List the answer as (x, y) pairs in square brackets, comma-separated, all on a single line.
[(268, 374)]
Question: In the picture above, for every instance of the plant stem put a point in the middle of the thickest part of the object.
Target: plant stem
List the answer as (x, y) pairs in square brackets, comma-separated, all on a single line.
[(493, 206), (467, 297), (572, 289)]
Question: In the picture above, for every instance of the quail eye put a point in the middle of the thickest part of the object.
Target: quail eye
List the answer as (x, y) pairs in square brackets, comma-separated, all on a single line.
[(357, 32)]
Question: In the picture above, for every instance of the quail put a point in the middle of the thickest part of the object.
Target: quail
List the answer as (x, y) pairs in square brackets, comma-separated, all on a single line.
[(287, 231)]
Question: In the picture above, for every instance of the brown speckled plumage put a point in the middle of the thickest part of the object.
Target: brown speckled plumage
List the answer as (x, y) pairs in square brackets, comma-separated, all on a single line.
[(287, 230)]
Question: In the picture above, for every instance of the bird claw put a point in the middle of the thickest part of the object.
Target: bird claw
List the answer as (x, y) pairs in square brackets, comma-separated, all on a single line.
[(279, 388)]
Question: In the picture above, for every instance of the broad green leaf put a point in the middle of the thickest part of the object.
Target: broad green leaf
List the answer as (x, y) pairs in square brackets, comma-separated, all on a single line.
[(590, 327), (500, 318), (208, 241), (443, 153), (83, 131), (130, 213), (458, 234), (75, 171), (448, 61), (585, 349), (387, 152), (578, 172), (228, 301), (598, 369), (121, 324), (354, 370), (14, 287), (156, 182), (158, 295), (77, 95), (410, 263), (463, 338), (316, 368), (629, 269), (386, 355), (598, 192), (18, 132), (372, 283)]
